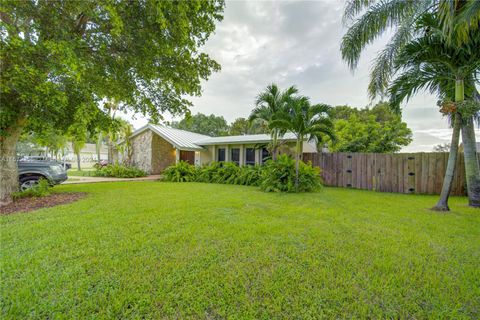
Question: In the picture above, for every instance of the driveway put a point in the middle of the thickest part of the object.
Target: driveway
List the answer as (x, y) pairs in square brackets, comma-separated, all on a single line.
[(77, 179)]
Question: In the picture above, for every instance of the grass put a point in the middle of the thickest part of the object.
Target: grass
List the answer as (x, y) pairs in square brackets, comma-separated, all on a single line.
[(166, 250), (84, 173)]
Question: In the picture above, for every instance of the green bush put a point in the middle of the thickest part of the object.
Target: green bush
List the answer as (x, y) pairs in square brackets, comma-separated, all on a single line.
[(249, 176), (42, 189), (274, 176), (181, 172), (226, 173), (119, 171), (207, 172), (279, 176)]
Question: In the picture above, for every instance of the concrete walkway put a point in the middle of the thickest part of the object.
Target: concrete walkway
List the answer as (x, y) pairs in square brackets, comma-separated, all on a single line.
[(79, 179)]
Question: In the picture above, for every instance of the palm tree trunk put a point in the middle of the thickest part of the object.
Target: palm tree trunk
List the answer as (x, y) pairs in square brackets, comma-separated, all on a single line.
[(472, 170), (442, 204), (98, 146), (78, 162), (297, 161), (274, 144)]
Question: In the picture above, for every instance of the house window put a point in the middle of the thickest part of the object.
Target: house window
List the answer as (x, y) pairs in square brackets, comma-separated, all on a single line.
[(235, 156), (221, 154), (265, 155), (250, 156)]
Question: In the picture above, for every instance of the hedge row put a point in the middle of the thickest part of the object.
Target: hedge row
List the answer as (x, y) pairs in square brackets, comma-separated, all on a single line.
[(273, 176)]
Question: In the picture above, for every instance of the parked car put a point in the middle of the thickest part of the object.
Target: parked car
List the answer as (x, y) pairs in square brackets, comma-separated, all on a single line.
[(43, 158), (31, 171)]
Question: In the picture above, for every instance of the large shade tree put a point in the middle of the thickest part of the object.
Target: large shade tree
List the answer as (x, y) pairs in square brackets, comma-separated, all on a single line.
[(377, 129), (210, 125), (60, 59)]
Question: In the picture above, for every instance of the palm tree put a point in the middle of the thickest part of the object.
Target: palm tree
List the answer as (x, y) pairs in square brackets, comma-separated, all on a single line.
[(367, 20), (267, 106), (77, 145), (429, 62), (306, 121), (458, 20)]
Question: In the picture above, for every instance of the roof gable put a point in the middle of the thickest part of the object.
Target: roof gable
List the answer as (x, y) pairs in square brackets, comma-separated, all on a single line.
[(180, 139)]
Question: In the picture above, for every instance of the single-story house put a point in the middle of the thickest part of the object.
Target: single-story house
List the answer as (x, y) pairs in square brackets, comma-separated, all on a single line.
[(155, 147)]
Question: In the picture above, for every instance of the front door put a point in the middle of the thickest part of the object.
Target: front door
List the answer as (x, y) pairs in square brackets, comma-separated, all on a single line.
[(188, 156)]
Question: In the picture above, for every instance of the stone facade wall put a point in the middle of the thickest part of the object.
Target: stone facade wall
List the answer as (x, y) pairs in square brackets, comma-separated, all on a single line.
[(142, 151), (163, 154)]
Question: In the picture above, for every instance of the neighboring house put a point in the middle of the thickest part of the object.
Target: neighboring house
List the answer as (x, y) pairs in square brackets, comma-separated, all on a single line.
[(155, 147), (88, 154)]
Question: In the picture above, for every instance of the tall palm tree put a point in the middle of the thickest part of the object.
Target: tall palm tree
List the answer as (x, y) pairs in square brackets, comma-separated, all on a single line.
[(77, 145), (367, 20), (267, 105), (429, 62), (306, 121), (458, 19)]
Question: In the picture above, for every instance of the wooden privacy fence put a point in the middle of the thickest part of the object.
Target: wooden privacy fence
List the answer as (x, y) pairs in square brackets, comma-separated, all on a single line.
[(400, 172)]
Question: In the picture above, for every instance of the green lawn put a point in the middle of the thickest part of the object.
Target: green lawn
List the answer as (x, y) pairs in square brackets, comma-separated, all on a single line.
[(166, 250), (84, 173)]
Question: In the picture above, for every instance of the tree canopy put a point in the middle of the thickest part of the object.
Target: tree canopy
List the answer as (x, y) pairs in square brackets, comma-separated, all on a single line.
[(211, 125), (243, 126), (60, 58), (369, 130)]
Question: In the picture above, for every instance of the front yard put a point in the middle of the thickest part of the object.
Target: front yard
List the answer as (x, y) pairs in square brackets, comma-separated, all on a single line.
[(191, 250)]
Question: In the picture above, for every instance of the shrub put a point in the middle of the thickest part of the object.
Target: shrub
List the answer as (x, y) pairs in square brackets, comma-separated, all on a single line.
[(226, 173), (207, 172), (279, 176), (249, 175), (274, 176), (308, 177), (119, 171), (181, 172), (42, 189)]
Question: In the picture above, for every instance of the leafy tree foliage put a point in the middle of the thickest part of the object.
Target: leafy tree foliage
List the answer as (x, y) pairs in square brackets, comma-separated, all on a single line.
[(243, 126), (369, 130), (60, 59), (211, 125)]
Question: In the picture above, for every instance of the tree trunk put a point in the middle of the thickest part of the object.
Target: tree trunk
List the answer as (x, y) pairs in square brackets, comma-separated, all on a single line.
[(98, 146), (297, 161), (78, 162), (8, 164), (274, 144), (442, 204), (110, 150), (472, 170)]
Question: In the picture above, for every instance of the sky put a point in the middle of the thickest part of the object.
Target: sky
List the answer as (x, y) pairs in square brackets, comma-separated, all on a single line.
[(297, 43)]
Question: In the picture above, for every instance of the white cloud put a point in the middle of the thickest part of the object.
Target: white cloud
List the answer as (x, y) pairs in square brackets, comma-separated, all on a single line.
[(297, 43)]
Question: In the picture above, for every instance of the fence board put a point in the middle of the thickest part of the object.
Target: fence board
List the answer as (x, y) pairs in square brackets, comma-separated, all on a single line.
[(402, 173)]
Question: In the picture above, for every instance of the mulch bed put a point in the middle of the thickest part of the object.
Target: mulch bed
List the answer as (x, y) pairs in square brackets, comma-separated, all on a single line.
[(34, 203)]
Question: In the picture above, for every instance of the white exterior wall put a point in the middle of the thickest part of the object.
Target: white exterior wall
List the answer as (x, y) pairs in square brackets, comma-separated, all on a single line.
[(211, 152)]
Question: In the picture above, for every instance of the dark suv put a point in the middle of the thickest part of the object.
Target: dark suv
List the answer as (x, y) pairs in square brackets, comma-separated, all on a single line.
[(30, 172)]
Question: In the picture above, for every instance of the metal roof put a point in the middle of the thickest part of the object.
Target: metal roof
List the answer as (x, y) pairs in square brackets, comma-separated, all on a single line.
[(249, 138), (180, 139), (186, 140)]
